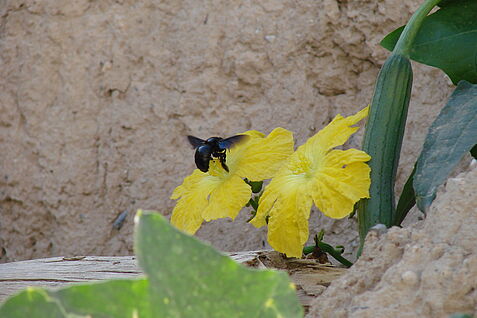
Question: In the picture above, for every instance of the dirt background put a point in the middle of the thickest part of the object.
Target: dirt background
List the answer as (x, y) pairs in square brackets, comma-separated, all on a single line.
[(96, 98)]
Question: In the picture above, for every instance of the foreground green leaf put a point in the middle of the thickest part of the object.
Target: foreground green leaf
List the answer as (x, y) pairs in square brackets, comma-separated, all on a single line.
[(186, 278), (117, 298), (447, 39), (450, 137), (32, 302), (190, 279)]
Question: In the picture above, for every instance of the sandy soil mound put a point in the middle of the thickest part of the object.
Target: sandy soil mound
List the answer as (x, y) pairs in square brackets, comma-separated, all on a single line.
[(426, 270)]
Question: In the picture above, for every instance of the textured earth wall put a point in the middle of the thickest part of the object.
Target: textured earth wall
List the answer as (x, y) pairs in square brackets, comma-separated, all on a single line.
[(96, 98)]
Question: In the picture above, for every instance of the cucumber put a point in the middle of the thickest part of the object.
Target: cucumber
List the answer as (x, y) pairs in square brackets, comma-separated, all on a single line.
[(382, 141)]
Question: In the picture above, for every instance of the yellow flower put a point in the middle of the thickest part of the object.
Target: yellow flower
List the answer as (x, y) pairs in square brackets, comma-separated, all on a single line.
[(218, 193), (333, 179)]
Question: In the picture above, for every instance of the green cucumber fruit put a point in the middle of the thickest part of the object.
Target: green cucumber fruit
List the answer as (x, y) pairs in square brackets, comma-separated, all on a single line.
[(383, 139)]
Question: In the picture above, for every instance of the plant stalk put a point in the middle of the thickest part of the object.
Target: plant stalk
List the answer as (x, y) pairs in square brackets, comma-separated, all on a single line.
[(408, 35), (385, 128), (327, 248)]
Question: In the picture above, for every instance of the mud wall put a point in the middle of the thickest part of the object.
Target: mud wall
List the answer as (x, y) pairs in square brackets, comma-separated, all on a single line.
[(96, 98)]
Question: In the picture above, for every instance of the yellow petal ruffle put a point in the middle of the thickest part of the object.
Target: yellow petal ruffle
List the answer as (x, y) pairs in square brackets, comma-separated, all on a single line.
[(262, 157), (344, 180), (287, 203)]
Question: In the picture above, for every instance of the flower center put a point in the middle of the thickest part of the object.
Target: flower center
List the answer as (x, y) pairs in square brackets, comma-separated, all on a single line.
[(300, 164)]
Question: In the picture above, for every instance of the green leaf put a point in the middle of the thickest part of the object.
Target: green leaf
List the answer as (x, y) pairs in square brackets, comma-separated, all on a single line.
[(406, 201), (191, 279), (451, 135), (116, 298), (32, 302), (447, 39), (186, 278), (444, 3), (256, 186)]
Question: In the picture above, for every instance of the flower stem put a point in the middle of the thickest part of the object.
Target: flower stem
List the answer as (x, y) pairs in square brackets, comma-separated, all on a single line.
[(253, 203), (327, 248), (404, 44)]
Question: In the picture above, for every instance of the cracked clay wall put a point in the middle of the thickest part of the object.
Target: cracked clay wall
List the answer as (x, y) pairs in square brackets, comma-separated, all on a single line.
[(96, 98)]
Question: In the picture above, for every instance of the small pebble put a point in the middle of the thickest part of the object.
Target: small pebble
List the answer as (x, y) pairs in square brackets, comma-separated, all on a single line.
[(270, 38), (409, 278)]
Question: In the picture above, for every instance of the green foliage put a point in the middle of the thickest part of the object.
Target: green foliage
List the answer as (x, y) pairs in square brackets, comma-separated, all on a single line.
[(32, 302), (322, 247), (208, 284), (461, 316), (256, 186), (447, 39), (116, 298), (185, 278), (451, 135)]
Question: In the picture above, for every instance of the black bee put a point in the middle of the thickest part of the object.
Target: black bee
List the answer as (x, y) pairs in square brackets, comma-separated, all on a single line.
[(214, 147)]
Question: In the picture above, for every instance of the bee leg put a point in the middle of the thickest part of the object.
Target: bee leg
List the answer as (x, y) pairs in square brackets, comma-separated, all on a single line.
[(224, 166), (222, 161)]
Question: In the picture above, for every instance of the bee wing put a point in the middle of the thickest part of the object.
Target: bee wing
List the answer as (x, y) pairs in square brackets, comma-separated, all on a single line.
[(229, 142), (194, 141)]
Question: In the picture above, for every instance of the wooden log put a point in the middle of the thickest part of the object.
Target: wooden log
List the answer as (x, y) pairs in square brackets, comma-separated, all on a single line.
[(310, 277), (58, 272)]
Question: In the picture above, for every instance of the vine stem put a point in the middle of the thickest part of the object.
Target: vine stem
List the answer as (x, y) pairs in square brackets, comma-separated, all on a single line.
[(404, 44), (327, 248)]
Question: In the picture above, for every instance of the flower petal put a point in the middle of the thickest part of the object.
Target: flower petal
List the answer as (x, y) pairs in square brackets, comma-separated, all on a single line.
[(287, 203), (187, 214), (227, 199), (334, 134), (192, 195), (339, 158), (189, 183), (235, 155), (262, 157), (342, 182), (254, 133)]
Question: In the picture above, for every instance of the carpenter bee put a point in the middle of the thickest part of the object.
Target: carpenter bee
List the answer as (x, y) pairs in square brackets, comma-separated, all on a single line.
[(213, 147)]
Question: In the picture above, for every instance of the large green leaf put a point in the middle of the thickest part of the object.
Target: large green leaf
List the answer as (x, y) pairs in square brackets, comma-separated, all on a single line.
[(32, 302), (186, 278), (447, 39), (116, 298), (190, 279), (451, 135)]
